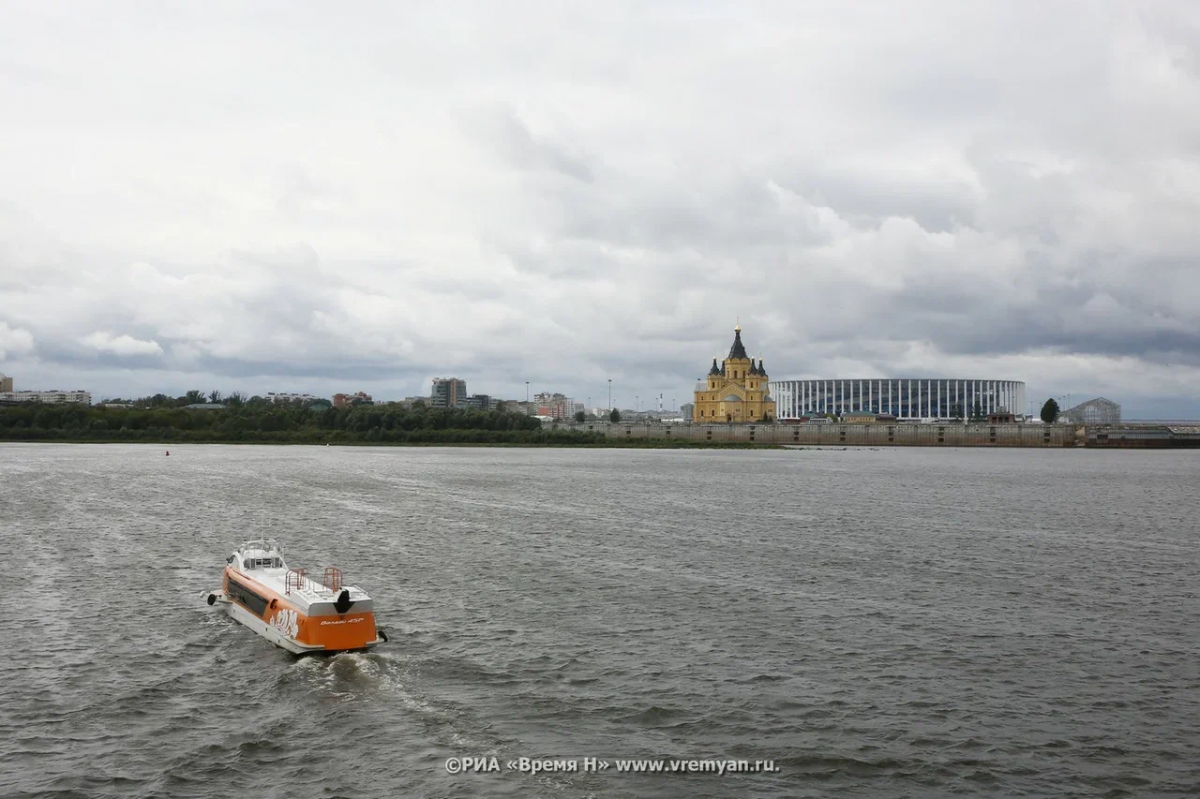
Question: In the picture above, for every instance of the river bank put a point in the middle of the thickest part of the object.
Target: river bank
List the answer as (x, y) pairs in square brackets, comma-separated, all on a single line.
[(651, 443)]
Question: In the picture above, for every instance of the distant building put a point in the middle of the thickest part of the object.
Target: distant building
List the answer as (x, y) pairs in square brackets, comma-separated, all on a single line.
[(53, 397), (858, 417), (1001, 417), (686, 410), (204, 406), (284, 397), (735, 391), (556, 406), (1094, 411), (346, 400), (480, 402), (907, 400), (448, 392), (6, 384)]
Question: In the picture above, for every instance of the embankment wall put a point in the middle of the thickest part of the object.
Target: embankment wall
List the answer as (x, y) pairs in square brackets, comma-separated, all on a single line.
[(881, 435)]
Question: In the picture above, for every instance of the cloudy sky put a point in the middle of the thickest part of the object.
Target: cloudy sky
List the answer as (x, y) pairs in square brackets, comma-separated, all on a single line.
[(290, 196)]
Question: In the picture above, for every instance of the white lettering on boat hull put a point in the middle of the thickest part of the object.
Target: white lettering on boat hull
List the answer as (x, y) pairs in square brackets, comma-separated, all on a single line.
[(287, 623)]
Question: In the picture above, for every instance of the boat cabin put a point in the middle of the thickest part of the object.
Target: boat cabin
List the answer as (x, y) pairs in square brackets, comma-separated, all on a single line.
[(257, 555)]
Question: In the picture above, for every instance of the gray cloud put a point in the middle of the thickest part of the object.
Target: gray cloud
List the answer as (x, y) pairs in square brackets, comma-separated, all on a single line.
[(518, 143), (325, 201)]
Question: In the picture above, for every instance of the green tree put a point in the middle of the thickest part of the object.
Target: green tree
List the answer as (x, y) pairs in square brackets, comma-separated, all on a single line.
[(580, 417), (957, 411), (214, 396), (1050, 411), (615, 416), (977, 412), (194, 397), (236, 399)]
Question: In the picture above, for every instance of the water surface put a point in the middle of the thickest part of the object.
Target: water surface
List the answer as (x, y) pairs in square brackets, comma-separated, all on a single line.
[(880, 623)]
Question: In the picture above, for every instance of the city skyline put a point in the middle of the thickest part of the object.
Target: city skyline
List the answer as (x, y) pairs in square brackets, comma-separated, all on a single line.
[(201, 198)]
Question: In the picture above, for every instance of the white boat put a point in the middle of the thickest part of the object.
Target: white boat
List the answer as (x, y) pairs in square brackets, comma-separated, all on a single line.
[(291, 609)]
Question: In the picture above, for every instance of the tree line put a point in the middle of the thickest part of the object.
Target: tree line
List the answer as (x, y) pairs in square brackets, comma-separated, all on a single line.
[(164, 419)]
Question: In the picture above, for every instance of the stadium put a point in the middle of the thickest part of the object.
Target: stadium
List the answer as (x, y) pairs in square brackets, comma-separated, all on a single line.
[(924, 398)]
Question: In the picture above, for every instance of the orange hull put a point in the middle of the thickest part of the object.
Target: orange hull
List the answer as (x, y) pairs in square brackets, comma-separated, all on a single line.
[(318, 628)]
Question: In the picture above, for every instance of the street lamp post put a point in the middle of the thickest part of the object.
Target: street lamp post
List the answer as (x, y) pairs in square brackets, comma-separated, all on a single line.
[(610, 393), (526, 392)]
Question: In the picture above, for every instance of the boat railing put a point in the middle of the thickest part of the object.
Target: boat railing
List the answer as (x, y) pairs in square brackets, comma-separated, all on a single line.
[(295, 578), (265, 544), (332, 578)]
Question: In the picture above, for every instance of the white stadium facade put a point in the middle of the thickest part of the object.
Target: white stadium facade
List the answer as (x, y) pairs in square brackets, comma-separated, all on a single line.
[(923, 398)]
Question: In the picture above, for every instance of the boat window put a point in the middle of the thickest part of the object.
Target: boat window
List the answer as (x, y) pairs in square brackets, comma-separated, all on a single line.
[(253, 602)]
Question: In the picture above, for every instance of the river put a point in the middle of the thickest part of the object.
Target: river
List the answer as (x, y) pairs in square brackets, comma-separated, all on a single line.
[(872, 622)]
